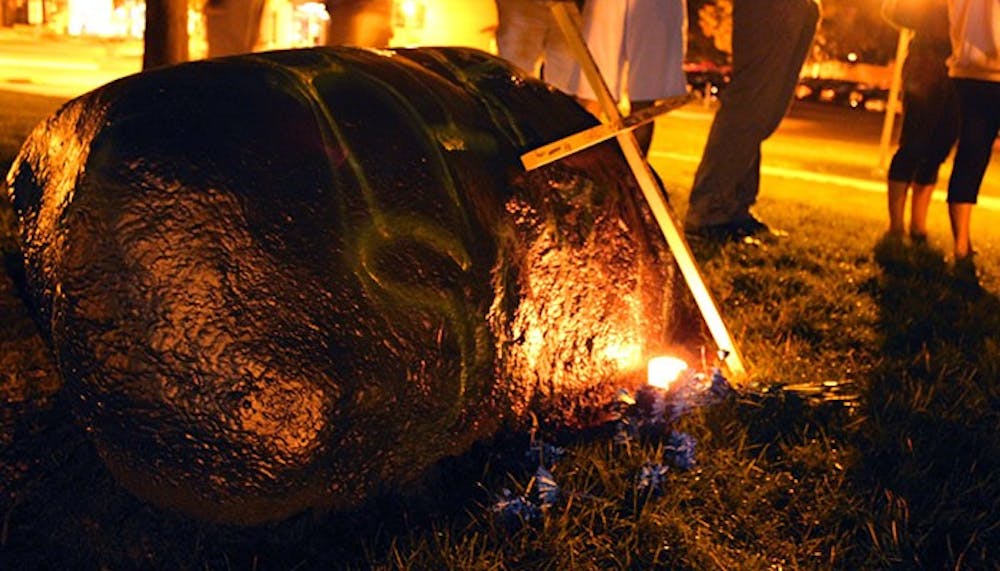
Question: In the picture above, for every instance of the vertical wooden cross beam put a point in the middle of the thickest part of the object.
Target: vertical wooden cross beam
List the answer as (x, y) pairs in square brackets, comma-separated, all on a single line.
[(567, 17)]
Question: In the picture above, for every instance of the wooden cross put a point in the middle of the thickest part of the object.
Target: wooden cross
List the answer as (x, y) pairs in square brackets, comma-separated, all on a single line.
[(567, 17)]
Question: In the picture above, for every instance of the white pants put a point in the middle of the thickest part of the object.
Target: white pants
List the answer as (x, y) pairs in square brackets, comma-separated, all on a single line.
[(639, 47), (528, 37)]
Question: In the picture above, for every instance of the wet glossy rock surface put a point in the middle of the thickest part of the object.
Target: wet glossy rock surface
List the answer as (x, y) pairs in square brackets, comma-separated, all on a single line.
[(286, 280)]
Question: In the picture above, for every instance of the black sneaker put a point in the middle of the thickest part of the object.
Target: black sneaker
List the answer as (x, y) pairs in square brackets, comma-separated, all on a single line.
[(731, 231), (754, 227)]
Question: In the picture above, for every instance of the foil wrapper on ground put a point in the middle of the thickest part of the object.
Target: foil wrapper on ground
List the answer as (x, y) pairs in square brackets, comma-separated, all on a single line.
[(287, 280)]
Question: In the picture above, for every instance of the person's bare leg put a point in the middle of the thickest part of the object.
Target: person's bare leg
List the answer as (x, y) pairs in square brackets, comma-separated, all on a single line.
[(920, 203), (960, 213), (897, 207)]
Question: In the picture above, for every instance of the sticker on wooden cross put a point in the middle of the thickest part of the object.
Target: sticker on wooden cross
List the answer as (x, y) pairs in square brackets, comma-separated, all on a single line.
[(567, 17)]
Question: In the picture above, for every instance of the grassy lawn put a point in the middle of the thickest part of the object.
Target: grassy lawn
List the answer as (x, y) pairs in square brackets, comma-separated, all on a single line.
[(867, 437), (20, 114)]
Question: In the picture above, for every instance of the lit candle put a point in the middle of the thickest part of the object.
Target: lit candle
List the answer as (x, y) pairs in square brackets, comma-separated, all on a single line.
[(661, 373)]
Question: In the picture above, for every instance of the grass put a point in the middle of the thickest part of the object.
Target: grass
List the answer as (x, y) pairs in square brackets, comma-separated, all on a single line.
[(868, 438), (20, 114)]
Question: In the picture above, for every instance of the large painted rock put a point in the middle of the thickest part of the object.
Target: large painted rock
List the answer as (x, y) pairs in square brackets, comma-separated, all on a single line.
[(285, 280)]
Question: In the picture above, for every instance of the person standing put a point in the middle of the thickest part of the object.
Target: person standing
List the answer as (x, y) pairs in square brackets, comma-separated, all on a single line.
[(528, 37), (974, 66), (930, 115), (771, 40), (639, 47), (361, 23), (232, 26)]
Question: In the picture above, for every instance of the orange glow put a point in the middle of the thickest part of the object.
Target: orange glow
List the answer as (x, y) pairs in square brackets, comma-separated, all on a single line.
[(287, 416), (410, 13), (626, 356), (469, 23), (663, 371)]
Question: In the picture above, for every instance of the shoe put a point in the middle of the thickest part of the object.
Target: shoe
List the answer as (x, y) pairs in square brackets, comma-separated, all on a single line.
[(890, 252), (752, 227), (731, 231), (918, 239), (965, 275)]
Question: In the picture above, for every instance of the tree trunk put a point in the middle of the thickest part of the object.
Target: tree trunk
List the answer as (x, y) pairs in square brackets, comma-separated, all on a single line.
[(166, 39)]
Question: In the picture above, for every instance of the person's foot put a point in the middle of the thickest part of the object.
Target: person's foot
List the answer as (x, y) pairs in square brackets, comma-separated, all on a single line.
[(733, 231), (890, 250), (918, 238), (966, 276)]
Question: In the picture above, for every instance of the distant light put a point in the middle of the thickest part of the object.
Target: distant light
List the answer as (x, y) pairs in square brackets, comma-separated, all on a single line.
[(410, 14), (663, 371), (852, 57), (314, 9)]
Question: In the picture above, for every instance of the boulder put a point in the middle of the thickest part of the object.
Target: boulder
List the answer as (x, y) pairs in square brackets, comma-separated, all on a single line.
[(291, 279)]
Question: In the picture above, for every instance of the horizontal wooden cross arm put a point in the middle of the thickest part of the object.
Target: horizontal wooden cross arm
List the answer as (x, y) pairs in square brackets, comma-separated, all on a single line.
[(568, 145)]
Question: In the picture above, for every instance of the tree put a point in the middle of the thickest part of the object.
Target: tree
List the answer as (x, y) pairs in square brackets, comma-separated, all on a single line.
[(166, 37), (848, 26), (715, 20), (855, 26), (709, 31)]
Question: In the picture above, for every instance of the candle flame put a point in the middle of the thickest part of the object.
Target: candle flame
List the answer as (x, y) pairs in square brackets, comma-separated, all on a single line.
[(663, 371)]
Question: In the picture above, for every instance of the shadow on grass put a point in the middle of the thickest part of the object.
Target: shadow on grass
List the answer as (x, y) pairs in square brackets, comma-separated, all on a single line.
[(932, 432)]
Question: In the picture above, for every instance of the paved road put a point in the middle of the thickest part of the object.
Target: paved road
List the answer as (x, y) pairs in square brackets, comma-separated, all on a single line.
[(36, 61), (818, 143)]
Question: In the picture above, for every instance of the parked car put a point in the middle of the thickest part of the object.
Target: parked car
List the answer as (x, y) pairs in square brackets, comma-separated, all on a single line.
[(706, 82), (823, 90), (845, 92), (871, 98)]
